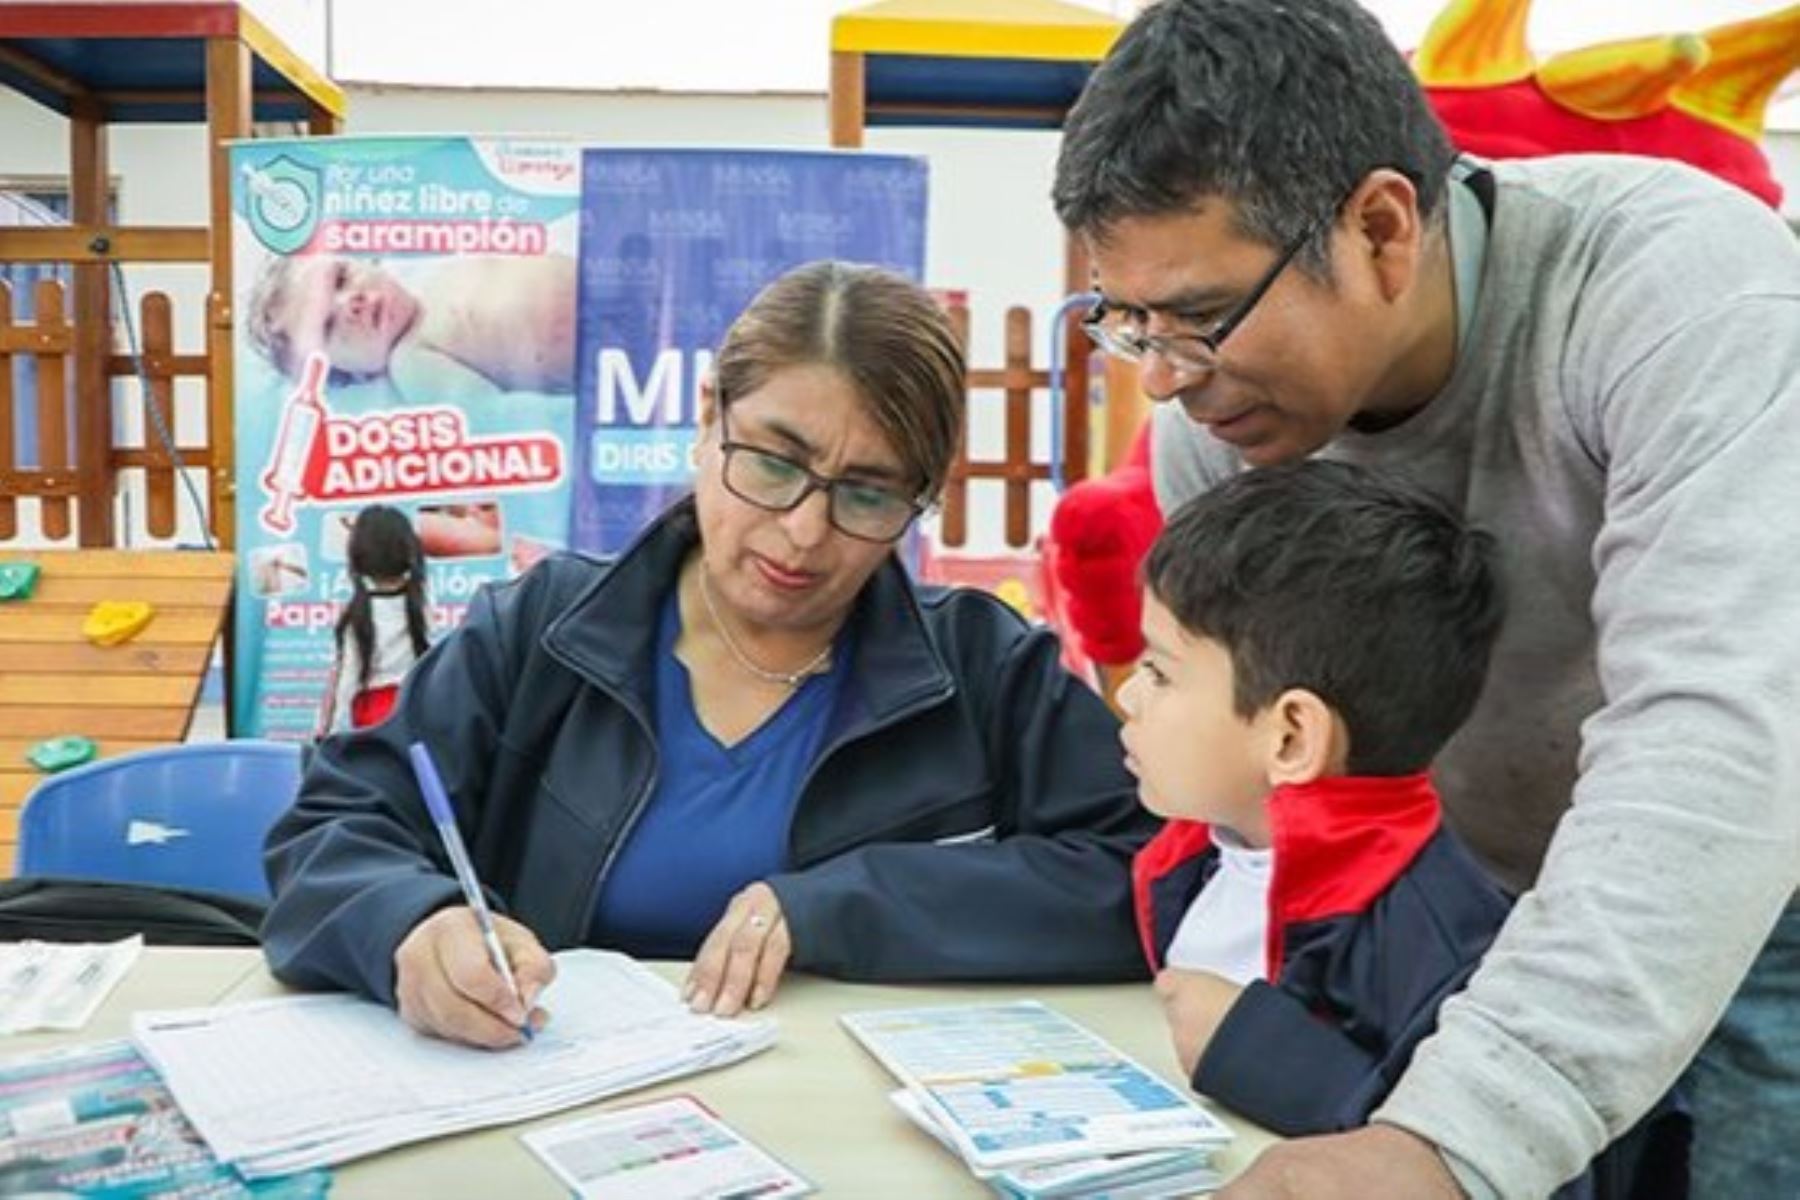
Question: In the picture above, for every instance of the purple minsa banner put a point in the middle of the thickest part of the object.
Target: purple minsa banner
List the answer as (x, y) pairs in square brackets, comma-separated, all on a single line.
[(674, 244)]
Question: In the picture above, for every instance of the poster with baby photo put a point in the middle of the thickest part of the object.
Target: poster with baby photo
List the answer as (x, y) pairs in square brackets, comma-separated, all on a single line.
[(405, 337)]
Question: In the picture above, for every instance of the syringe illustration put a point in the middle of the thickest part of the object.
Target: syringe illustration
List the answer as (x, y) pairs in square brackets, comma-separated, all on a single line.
[(281, 202), (302, 423)]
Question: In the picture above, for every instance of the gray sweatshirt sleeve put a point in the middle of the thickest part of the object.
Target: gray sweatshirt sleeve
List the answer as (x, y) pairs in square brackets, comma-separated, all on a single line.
[(1683, 841)]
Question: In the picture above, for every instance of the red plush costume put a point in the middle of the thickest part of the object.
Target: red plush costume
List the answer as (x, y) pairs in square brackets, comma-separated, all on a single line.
[(1694, 97)]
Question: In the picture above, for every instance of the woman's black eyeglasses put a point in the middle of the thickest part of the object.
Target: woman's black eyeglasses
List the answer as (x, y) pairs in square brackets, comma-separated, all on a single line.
[(777, 483)]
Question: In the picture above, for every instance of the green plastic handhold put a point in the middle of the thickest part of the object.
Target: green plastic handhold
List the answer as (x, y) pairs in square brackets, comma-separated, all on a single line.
[(60, 753), (17, 580)]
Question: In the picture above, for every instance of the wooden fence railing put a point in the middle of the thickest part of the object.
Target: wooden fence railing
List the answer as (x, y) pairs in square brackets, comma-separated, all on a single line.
[(48, 344), (1016, 381)]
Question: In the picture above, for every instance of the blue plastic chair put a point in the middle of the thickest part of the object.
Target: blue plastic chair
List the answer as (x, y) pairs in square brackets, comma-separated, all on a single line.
[(191, 816)]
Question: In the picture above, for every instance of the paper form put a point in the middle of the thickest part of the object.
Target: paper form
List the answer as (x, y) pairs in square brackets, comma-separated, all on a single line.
[(299, 1081)]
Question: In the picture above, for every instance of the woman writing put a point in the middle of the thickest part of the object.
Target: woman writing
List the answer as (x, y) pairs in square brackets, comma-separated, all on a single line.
[(750, 740)]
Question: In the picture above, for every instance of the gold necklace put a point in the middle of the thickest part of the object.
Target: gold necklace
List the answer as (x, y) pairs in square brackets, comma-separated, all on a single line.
[(793, 679)]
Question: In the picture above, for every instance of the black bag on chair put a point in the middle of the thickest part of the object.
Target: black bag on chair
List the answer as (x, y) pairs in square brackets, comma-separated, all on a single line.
[(83, 910)]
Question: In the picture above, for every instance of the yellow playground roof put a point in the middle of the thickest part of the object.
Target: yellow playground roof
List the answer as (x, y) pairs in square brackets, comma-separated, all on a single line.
[(1041, 30), (968, 62)]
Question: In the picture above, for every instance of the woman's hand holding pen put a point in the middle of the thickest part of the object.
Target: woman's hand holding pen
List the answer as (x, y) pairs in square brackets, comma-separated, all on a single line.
[(446, 985), (739, 965)]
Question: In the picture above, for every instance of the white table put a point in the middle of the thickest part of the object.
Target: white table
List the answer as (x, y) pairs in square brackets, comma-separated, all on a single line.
[(817, 1100)]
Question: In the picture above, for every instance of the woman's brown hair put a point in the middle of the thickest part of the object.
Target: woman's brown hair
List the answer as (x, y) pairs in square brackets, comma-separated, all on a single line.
[(882, 331)]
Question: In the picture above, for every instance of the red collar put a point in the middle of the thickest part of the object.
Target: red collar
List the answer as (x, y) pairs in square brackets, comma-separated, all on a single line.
[(1339, 843)]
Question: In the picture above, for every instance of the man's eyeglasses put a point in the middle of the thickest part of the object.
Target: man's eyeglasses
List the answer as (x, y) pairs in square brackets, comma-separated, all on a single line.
[(1120, 332), (777, 483)]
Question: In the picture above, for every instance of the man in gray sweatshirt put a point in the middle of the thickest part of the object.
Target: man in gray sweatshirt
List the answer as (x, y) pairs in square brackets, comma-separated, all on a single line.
[(1598, 359)]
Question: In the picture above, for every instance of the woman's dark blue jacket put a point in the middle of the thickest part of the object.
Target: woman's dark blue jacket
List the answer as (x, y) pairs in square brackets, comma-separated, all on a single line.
[(969, 818)]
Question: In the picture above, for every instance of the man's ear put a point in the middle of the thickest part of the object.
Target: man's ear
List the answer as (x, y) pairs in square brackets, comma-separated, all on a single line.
[(1306, 740), (1389, 232)]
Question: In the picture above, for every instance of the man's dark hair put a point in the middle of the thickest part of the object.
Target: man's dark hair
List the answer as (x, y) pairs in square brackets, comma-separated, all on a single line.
[(1279, 106), (1347, 582)]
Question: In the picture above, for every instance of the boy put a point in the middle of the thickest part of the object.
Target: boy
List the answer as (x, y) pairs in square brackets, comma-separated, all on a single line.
[(1315, 634), (483, 324)]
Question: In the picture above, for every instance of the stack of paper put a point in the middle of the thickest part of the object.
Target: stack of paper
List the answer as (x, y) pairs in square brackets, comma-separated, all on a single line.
[(1037, 1106), (277, 1085)]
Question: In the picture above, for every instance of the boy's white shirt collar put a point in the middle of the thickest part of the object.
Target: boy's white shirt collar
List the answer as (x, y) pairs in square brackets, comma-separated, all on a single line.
[(1226, 928)]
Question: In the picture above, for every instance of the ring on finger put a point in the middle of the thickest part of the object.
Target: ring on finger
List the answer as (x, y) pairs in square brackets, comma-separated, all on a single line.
[(759, 921)]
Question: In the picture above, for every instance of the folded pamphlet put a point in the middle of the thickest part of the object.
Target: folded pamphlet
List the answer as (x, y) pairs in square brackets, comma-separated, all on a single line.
[(1034, 1103), (1113, 1176), (674, 1149), (96, 1122)]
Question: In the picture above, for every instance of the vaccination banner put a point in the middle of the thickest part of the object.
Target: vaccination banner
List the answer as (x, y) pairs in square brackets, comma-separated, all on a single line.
[(674, 245), (405, 336)]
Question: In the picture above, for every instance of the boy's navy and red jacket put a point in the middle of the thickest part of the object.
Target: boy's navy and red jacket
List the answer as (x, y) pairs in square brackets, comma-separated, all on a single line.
[(1377, 915)]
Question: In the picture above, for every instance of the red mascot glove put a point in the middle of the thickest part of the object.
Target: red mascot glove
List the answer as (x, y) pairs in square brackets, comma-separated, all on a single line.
[(1100, 531)]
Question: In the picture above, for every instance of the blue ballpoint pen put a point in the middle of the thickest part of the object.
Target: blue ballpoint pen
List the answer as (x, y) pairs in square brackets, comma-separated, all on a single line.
[(437, 803)]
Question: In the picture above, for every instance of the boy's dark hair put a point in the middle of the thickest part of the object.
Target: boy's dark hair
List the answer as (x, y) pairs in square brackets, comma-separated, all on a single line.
[(1279, 106), (1347, 582), (382, 545)]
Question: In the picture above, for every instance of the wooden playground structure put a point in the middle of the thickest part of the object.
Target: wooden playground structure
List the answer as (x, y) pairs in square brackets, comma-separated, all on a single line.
[(101, 65)]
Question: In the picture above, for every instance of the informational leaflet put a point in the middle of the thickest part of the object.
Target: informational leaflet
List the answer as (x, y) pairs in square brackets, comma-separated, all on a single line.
[(96, 1121), (674, 1149), (1019, 1083), (1178, 1172)]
